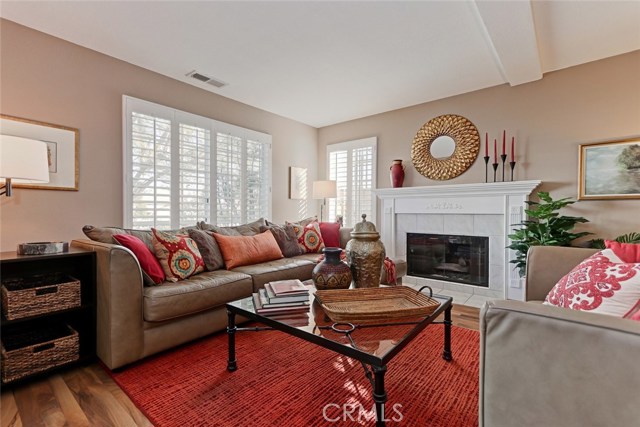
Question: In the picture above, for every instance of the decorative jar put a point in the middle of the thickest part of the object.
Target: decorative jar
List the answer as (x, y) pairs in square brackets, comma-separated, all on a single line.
[(365, 254), (331, 272), (397, 173)]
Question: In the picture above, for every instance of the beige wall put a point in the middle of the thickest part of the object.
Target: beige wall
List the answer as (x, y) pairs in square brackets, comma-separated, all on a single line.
[(49, 80), (594, 102), (46, 79)]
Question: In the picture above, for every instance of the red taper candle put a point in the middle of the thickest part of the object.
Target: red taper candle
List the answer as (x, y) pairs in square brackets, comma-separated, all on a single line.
[(504, 142), (495, 151), (513, 149), (486, 144)]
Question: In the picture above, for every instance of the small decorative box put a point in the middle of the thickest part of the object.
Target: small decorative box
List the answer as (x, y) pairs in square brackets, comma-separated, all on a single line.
[(42, 248)]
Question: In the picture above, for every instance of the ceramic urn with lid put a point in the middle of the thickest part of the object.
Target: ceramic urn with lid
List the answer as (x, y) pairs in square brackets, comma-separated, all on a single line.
[(365, 254)]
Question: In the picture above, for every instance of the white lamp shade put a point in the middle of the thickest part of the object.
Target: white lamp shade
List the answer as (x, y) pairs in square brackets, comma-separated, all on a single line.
[(324, 189), (24, 159)]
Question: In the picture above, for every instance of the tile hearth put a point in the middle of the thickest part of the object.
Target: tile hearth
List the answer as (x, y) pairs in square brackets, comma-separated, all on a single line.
[(458, 297)]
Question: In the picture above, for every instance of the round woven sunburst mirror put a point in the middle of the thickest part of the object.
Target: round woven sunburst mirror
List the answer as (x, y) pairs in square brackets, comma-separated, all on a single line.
[(466, 140)]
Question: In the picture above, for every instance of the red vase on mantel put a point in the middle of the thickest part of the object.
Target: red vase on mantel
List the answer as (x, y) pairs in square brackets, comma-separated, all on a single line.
[(397, 173)]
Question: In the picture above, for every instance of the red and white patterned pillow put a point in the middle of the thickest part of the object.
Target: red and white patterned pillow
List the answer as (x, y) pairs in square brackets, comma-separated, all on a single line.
[(178, 255), (602, 283), (309, 237)]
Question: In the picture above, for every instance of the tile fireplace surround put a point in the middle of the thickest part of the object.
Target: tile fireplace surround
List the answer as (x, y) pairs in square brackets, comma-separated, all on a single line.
[(486, 209)]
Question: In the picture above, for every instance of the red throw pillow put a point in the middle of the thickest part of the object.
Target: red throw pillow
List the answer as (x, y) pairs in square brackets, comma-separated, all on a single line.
[(634, 313), (246, 250), (627, 252), (148, 262), (330, 232), (602, 283)]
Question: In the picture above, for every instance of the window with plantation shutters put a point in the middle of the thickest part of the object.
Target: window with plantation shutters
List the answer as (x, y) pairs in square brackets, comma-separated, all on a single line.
[(181, 168), (352, 165)]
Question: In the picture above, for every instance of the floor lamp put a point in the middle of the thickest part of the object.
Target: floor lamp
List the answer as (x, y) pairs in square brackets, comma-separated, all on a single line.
[(324, 190)]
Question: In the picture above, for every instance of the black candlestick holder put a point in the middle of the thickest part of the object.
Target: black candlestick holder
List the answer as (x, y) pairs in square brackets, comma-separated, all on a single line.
[(504, 159), (495, 168), (512, 165), (486, 168)]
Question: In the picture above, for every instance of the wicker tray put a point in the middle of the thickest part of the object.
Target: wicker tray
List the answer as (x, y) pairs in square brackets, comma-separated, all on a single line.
[(31, 351), (31, 296), (375, 304)]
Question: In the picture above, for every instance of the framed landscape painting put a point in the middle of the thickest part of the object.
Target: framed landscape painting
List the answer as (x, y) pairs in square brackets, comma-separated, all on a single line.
[(610, 170)]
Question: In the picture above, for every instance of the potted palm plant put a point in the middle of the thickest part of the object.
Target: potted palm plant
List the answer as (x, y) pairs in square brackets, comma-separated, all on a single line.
[(545, 227)]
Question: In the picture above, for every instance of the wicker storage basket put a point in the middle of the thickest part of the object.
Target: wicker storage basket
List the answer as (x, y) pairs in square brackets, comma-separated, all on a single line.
[(31, 296), (375, 304), (29, 352)]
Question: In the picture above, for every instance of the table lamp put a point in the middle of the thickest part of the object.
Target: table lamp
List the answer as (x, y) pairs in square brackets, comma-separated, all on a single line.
[(24, 159), (324, 190)]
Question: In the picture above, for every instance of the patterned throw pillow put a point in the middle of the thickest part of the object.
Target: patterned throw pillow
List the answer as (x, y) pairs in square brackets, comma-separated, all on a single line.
[(602, 283), (178, 255), (309, 237)]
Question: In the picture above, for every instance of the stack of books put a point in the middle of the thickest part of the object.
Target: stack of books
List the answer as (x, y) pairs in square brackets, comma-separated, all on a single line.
[(285, 299)]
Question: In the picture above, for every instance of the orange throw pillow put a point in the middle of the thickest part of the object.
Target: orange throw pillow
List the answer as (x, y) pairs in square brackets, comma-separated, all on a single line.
[(247, 250)]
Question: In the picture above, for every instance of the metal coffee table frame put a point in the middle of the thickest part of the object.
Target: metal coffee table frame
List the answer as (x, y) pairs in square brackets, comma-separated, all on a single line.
[(375, 367)]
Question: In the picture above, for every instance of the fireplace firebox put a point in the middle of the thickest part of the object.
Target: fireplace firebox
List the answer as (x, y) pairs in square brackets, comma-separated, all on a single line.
[(462, 259)]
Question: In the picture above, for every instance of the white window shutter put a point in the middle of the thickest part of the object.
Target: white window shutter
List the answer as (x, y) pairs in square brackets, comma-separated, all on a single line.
[(150, 172), (229, 180), (193, 173), (362, 198), (257, 187), (338, 171)]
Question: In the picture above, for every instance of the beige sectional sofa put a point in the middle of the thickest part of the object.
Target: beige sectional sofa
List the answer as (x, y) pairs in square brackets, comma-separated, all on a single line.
[(135, 321), (554, 367)]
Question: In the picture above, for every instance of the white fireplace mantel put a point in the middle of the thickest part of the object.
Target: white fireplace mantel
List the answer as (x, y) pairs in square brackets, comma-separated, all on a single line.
[(481, 189), (489, 209)]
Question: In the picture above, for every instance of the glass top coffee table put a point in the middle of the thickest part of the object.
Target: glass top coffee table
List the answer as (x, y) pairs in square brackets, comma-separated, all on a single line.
[(372, 344)]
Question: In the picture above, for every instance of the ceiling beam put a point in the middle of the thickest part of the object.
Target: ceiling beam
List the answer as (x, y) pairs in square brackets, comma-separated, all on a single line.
[(511, 31)]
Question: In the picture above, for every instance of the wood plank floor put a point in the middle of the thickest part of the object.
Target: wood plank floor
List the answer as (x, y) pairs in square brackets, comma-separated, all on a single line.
[(87, 396)]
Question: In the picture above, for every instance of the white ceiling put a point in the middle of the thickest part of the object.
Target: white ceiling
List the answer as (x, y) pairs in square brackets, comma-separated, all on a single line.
[(327, 62)]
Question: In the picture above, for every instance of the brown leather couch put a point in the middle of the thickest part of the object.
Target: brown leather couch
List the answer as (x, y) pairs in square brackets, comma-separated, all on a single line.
[(136, 321), (554, 367)]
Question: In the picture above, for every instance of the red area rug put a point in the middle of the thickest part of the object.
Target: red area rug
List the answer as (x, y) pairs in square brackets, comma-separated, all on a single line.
[(285, 381)]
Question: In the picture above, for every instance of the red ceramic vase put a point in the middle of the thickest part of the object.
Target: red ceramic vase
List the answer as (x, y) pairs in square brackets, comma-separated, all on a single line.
[(397, 174)]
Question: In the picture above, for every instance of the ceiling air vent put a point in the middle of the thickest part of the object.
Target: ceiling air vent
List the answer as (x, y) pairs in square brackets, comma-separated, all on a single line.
[(206, 79)]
